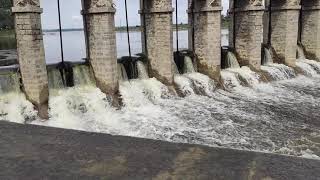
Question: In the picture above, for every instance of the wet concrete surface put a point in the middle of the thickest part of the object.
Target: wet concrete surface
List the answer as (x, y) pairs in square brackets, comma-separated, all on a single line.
[(34, 152)]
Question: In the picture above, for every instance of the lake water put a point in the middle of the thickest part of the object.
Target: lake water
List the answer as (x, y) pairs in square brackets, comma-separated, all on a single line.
[(75, 50)]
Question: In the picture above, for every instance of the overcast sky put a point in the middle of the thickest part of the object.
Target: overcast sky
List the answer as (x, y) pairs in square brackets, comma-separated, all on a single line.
[(71, 18)]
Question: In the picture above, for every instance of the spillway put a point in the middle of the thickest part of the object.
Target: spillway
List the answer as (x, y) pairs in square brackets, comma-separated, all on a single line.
[(280, 116)]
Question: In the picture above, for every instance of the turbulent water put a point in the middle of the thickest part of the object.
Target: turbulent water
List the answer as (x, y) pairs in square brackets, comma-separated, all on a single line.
[(282, 116)]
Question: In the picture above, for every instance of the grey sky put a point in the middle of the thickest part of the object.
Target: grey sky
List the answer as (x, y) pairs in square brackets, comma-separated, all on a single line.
[(71, 18)]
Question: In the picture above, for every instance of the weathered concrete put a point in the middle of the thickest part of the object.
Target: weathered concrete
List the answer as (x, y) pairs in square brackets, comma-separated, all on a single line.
[(310, 37), (31, 53), (100, 29), (248, 31), (205, 15), (157, 16), (284, 26), (31, 152)]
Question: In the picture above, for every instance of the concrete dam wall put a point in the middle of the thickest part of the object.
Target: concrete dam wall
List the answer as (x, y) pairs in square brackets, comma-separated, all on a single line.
[(280, 25)]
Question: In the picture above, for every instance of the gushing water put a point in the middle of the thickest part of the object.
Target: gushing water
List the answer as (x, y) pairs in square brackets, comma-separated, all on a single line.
[(188, 65), (300, 52), (279, 71), (232, 61), (267, 59), (281, 117), (142, 71), (122, 73), (9, 82), (82, 75)]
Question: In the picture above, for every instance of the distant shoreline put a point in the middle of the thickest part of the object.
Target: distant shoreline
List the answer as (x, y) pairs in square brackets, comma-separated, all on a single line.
[(118, 29)]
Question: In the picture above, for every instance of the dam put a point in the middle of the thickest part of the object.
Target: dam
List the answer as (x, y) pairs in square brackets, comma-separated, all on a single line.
[(260, 93)]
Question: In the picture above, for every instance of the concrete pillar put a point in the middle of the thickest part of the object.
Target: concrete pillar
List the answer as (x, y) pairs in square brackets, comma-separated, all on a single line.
[(206, 17), (101, 42), (157, 16), (310, 36), (248, 31), (284, 30), (31, 53)]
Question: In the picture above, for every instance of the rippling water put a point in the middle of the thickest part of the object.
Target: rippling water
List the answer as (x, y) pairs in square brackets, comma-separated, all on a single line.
[(281, 116)]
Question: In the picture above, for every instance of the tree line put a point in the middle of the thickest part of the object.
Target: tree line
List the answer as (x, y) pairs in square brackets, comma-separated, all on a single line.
[(6, 20)]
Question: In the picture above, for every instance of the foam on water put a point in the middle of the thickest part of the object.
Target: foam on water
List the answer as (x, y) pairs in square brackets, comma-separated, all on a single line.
[(279, 117), (307, 68), (14, 107), (237, 77), (279, 71)]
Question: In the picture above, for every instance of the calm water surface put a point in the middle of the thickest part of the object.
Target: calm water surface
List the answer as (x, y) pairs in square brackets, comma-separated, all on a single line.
[(74, 44)]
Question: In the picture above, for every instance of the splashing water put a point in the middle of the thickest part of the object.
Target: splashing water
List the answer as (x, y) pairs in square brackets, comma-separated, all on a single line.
[(280, 117), (307, 68), (245, 75), (279, 71), (188, 65), (122, 73), (232, 61), (9, 82), (142, 71), (267, 57)]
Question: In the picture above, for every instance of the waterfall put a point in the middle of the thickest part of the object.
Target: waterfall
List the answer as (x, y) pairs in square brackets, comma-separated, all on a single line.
[(184, 85), (232, 61), (54, 79), (300, 52), (246, 76), (188, 65), (122, 73), (82, 75), (230, 80), (314, 64), (142, 71), (9, 82), (307, 68), (267, 59), (279, 71), (175, 68)]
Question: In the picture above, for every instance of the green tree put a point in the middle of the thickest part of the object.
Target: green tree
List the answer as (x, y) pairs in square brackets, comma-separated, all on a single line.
[(6, 20)]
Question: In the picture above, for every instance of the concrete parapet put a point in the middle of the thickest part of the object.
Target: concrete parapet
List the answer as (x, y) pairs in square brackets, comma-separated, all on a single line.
[(284, 30), (310, 35), (156, 16), (101, 42), (205, 36), (30, 52), (248, 31)]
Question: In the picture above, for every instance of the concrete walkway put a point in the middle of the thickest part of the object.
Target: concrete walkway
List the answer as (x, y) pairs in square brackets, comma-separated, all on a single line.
[(36, 153)]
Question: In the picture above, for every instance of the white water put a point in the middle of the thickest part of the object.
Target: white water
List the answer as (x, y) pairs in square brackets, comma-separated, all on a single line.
[(279, 117), (267, 57), (188, 65), (279, 71), (122, 73), (237, 77), (232, 61), (142, 71)]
